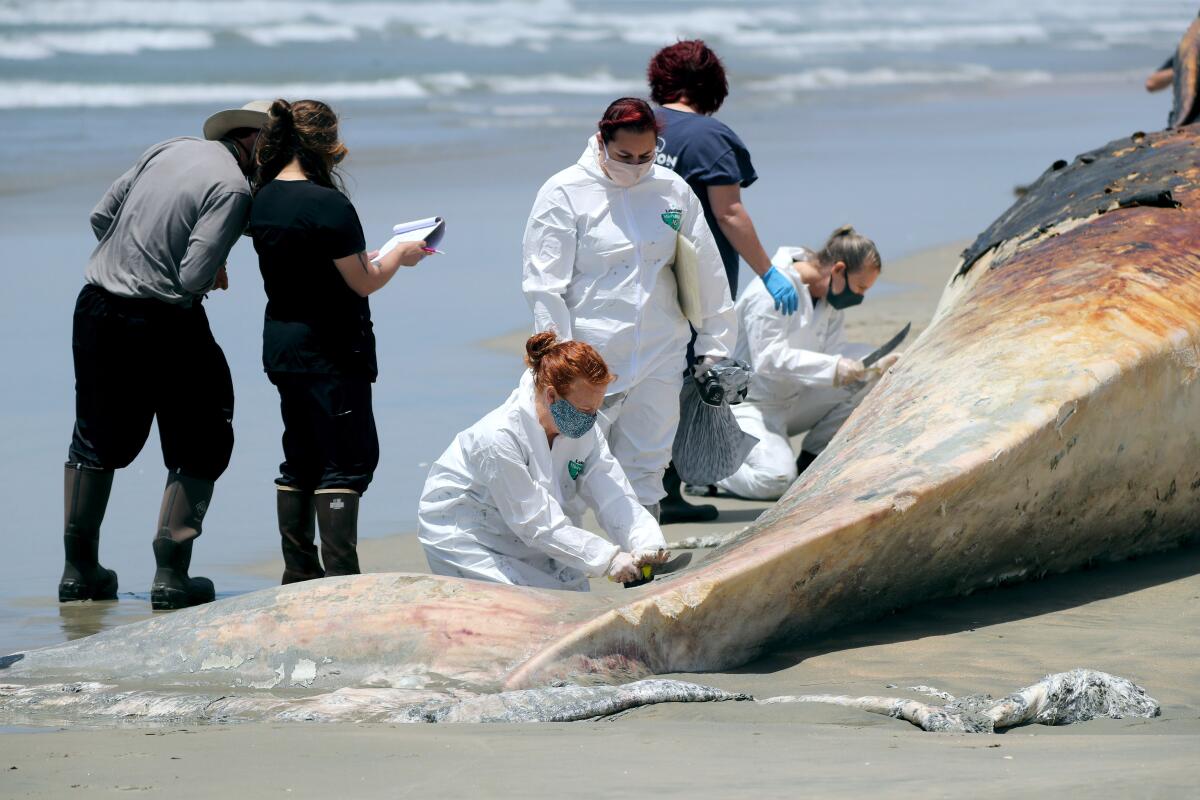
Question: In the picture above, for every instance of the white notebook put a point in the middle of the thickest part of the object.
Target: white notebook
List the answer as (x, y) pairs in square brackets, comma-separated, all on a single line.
[(429, 230)]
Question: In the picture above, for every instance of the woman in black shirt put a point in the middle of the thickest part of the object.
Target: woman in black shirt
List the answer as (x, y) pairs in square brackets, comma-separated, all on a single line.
[(318, 347)]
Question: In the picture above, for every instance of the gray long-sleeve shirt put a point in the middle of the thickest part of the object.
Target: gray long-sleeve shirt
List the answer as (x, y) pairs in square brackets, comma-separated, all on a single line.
[(167, 225)]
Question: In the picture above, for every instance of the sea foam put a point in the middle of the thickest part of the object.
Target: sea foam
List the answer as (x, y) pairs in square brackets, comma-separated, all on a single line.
[(821, 27), (52, 94), (106, 41)]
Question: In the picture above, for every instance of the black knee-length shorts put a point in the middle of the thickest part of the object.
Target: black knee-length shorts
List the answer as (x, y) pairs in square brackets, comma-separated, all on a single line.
[(137, 360), (329, 435)]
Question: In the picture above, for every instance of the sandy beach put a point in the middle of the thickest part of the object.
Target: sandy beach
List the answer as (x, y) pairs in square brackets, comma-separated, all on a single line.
[(1136, 619)]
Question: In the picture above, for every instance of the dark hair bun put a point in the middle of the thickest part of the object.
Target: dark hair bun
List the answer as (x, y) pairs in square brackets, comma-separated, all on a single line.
[(281, 111), (559, 363), (537, 346)]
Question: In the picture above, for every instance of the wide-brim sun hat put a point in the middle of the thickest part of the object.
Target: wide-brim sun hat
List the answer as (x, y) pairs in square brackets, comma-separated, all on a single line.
[(252, 115)]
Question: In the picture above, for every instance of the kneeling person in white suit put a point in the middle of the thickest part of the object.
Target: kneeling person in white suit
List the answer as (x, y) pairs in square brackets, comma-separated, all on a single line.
[(503, 503), (807, 378)]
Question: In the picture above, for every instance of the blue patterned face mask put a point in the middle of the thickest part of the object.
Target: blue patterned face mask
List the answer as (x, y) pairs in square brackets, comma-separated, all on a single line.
[(570, 421)]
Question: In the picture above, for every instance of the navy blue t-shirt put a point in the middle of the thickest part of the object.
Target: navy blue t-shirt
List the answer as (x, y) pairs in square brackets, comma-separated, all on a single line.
[(705, 152)]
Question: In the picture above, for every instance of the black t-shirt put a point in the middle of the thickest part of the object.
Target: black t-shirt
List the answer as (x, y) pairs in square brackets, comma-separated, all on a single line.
[(705, 152), (314, 321)]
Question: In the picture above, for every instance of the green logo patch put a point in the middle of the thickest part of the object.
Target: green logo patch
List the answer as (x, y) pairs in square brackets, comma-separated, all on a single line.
[(575, 469), (673, 217)]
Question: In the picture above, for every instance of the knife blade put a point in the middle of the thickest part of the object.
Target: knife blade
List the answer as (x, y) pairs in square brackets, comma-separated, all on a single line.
[(888, 347)]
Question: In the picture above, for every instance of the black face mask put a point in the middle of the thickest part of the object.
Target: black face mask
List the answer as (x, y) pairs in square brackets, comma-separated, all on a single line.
[(845, 298)]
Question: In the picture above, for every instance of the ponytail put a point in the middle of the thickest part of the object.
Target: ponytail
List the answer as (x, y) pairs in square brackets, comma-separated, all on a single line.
[(306, 130), (536, 348), (851, 248), (276, 143)]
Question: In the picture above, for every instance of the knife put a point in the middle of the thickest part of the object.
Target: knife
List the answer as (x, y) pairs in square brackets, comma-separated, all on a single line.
[(888, 347)]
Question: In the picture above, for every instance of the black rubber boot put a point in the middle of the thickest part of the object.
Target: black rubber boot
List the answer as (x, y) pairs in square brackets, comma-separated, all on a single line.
[(85, 497), (172, 588), (803, 460), (675, 508), (179, 522), (297, 533), (337, 517)]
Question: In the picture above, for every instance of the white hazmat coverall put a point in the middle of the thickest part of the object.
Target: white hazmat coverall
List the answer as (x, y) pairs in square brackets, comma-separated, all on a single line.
[(597, 268), (791, 392), (503, 505)]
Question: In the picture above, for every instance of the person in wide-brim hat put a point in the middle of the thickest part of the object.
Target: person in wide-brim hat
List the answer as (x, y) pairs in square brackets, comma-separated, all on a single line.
[(237, 129), (143, 349), (252, 115)]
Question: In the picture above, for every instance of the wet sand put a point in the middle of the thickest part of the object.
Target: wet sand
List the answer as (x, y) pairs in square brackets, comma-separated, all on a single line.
[(1138, 619)]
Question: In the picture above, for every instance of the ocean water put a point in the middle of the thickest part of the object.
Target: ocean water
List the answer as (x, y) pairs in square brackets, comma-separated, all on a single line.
[(913, 120)]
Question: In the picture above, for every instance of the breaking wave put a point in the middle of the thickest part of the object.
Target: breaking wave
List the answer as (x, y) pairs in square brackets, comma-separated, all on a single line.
[(792, 29), (51, 94), (834, 78), (108, 41)]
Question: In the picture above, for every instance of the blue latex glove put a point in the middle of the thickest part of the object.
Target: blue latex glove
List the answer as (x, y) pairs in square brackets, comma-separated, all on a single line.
[(786, 299)]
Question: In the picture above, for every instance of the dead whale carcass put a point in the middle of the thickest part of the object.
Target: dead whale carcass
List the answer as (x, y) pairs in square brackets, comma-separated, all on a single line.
[(1049, 416)]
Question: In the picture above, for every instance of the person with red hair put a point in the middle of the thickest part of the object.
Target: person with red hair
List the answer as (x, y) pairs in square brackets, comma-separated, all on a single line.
[(504, 502), (599, 249), (688, 82)]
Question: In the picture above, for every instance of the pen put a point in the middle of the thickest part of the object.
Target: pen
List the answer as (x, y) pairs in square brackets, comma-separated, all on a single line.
[(431, 251)]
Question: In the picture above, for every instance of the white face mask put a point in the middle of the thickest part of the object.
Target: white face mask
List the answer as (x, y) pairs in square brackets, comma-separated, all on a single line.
[(622, 174)]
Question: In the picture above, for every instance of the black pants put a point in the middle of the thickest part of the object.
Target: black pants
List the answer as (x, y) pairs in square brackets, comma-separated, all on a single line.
[(329, 436), (140, 359)]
